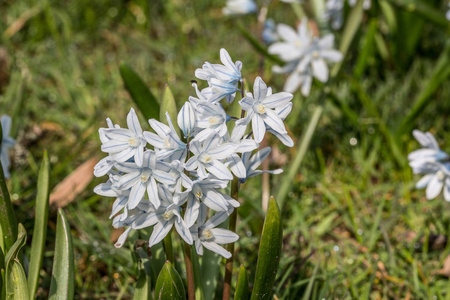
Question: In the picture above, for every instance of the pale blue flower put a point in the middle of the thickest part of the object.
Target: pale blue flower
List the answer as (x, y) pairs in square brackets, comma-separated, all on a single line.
[(334, 13), (125, 143), (186, 119), (211, 119), (7, 143), (166, 142), (164, 218), (253, 162), (293, 43), (437, 178), (209, 156), (430, 151), (239, 7), (260, 110), (143, 178), (205, 234), (269, 34)]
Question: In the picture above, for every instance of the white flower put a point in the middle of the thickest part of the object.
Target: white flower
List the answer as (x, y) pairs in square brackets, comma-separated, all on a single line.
[(431, 151), (143, 178), (253, 162), (167, 215), (293, 43), (211, 119), (438, 178), (206, 235), (208, 156), (269, 33), (260, 110), (7, 143), (239, 7), (109, 189), (222, 79), (366, 5), (166, 142), (126, 143), (186, 119)]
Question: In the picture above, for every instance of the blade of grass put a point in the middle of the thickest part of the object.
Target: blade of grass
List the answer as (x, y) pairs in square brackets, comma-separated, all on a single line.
[(375, 232), (424, 9), (308, 290), (40, 226), (63, 280), (288, 179)]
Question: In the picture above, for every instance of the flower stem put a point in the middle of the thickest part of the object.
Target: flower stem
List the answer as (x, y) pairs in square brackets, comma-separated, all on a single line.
[(168, 249), (189, 271), (230, 248)]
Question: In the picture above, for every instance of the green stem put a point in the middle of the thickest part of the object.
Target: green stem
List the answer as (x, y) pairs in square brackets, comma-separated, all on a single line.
[(189, 271), (303, 147), (230, 248), (168, 249)]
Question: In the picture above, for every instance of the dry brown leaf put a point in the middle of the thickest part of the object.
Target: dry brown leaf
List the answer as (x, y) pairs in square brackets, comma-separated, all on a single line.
[(66, 191), (445, 271)]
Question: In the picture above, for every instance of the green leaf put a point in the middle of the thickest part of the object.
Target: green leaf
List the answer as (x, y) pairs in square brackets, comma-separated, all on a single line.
[(307, 294), (2, 272), (424, 9), (350, 30), (62, 284), (269, 253), (8, 223), (141, 95), (169, 285), (367, 49), (169, 105), (210, 269), (16, 282), (40, 226), (438, 76), (242, 291), (197, 275), (288, 178), (258, 46), (143, 288)]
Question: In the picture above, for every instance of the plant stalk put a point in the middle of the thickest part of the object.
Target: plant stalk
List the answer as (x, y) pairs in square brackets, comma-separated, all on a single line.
[(231, 226), (8, 223), (189, 271)]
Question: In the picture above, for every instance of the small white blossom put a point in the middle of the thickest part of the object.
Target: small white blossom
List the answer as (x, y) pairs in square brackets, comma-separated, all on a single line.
[(125, 143), (239, 7), (334, 13), (186, 119), (431, 151), (211, 119), (253, 162), (366, 5), (206, 235), (269, 33), (7, 143), (260, 110)]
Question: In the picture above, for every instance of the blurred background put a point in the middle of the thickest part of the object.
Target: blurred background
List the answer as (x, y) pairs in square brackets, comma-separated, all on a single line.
[(352, 219)]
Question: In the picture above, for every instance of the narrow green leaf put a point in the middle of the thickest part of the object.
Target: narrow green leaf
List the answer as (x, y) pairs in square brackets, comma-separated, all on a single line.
[(269, 253), (16, 282), (169, 105), (8, 223), (143, 288), (375, 232), (62, 284), (210, 270), (308, 291), (141, 95), (13, 252), (286, 182), (197, 275), (2, 272), (350, 30), (169, 285), (258, 46), (40, 225), (440, 73), (367, 49), (242, 292), (424, 9)]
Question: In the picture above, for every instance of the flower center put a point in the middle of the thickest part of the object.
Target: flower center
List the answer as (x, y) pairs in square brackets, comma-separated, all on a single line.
[(315, 54), (168, 215), (145, 175), (214, 120), (260, 109), (298, 44), (167, 143), (206, 234), (133, 141), (205, 158), (440, 175), (198, 193)]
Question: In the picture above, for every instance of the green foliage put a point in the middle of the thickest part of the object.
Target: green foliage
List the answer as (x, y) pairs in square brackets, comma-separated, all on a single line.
[(40, 226), (169, 284), (63, 278), (269, 253), (242, 291), (139, 92), (16, 284)]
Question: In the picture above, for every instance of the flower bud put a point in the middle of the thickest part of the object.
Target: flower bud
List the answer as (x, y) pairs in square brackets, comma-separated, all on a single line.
[(186, 119)]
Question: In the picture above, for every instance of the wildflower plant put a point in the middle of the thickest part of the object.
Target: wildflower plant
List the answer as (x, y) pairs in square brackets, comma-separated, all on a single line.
[(161, 180)]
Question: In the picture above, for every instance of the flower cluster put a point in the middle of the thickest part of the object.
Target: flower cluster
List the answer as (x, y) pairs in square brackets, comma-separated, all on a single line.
[(305, 55), (434, 163), (165, 180), (7, 143)]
